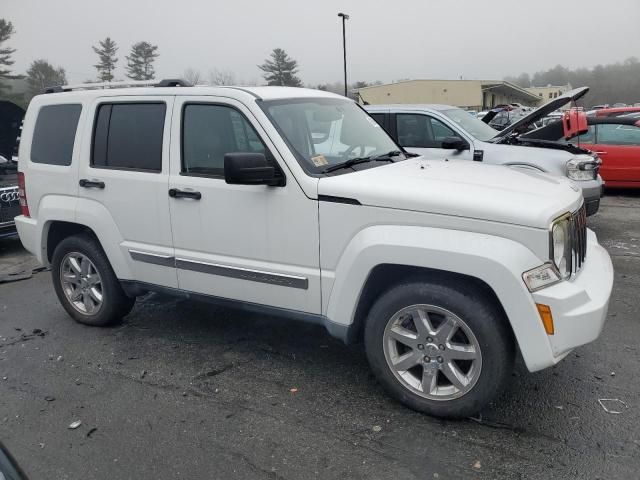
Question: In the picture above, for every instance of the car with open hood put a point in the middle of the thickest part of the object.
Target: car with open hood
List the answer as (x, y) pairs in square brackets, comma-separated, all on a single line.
[(615, 139), (295, 203), (10, 121), (444, 132)]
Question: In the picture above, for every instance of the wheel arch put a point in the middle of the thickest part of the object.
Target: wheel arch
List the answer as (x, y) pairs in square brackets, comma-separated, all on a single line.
[(386, 276)]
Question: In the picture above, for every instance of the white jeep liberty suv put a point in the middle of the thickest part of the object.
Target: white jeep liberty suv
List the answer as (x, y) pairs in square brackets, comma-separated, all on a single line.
[(295, 202)]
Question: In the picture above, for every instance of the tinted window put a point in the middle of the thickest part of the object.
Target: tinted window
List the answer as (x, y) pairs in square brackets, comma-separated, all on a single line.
[(54, 134), (211, 131), (610, 134), (422, 131), (129, 136), (441, 131), (414, 130), (378, 117)]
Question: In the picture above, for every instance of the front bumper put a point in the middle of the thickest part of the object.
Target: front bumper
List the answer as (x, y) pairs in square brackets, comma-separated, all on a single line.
[(591, 191), (579, 306)]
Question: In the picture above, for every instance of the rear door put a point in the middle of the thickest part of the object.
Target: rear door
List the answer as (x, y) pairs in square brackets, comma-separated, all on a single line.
[(124, 173), (619, 148)]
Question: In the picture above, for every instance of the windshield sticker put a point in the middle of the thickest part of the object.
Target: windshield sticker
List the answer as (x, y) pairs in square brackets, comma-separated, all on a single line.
[(319, 161)]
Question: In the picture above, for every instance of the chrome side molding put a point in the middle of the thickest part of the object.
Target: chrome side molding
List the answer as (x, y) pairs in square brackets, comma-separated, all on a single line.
[(261, 276)]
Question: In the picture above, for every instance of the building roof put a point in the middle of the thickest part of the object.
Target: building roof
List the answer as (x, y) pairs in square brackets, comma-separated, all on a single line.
[(500, 86)]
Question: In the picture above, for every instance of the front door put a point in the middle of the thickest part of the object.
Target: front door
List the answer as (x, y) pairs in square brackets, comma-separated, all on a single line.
[(252, 243), (619, 148), (423, 134)]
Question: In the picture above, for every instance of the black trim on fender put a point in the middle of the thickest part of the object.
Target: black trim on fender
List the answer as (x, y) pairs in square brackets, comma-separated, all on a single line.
[(332, 199), (343, 332)]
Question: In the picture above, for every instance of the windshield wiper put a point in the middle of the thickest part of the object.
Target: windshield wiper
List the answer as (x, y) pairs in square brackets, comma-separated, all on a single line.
[(349, 163), (385, 157), (388, 155)]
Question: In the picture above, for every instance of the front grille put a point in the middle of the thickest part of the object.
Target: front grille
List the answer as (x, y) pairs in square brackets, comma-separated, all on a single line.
[(9, 204), (578, 239)]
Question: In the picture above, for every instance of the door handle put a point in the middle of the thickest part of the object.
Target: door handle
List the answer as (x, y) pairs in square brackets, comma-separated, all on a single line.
[(177, 193), (91, 183)]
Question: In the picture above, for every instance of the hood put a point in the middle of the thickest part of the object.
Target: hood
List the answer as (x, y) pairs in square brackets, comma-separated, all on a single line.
[(525, 122), (460, 188)]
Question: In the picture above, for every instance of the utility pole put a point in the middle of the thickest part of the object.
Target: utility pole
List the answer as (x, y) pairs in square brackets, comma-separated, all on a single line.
[(345, 17)]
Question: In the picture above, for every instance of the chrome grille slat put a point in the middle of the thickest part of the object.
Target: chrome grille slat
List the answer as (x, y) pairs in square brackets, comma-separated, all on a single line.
[(578, 239)]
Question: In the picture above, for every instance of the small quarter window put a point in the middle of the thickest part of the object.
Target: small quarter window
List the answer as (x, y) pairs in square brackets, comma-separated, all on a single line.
[(55, 134), (129, 136)]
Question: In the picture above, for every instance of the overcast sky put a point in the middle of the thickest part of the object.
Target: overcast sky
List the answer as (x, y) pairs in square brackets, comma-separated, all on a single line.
[(386, 40)]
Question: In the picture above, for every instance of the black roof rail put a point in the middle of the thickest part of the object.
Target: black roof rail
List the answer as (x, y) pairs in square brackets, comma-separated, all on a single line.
[(173, 82), (54, 89)]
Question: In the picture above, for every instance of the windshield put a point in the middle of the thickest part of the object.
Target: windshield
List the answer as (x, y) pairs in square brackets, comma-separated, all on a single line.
[(323, 132), (473, 126)]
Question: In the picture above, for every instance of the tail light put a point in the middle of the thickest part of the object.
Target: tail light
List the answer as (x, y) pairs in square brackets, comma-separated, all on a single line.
[(22, 195)]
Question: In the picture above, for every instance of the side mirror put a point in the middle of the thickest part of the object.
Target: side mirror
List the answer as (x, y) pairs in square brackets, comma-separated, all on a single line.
[(250, 169), (454, 143)]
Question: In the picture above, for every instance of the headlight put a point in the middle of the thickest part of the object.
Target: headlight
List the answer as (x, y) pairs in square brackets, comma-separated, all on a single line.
[(582, 169), (561, 245)]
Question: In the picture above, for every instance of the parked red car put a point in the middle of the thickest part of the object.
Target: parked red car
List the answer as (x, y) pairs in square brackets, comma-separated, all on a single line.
[(615, 139), (616, 112)]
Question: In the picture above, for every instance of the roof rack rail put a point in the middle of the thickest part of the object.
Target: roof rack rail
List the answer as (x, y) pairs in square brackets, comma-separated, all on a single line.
[(169, 82)]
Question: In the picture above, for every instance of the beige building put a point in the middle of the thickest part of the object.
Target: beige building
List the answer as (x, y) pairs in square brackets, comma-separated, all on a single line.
[(468, 94), (548, 93)]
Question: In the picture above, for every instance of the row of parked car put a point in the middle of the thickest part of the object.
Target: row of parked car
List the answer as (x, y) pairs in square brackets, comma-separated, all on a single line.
[(445, 246)]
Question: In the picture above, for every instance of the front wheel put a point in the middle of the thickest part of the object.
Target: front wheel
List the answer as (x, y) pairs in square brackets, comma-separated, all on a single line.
[(439, 350)]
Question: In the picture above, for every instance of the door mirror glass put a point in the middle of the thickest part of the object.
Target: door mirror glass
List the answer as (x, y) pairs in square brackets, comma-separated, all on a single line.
[(454, 143), (250, 169)]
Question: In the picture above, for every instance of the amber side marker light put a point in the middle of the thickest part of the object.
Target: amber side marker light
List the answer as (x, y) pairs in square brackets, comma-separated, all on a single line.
[(546, 317)]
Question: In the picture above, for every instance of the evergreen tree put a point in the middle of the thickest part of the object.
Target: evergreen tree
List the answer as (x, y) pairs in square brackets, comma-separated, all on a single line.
[(107, 55), (6, 30), (140, 61), (41, 74), (280, 69)]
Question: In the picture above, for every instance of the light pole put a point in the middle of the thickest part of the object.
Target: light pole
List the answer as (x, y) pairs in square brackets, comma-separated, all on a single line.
[(345, 17)]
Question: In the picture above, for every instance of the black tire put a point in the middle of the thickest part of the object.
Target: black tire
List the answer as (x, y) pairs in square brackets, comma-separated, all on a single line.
[(485, 320), (115, 303)]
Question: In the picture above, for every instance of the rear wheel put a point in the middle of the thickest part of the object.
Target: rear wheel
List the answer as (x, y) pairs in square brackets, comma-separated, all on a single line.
[(439, 350), (86, 284)]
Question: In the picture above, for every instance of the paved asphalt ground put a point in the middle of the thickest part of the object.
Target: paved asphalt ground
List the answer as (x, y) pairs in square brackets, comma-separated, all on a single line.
[(186, 390)]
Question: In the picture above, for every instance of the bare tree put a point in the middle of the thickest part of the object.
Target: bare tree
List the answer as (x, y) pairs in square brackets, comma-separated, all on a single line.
[(222, 77), (194, 77), (41, 74)]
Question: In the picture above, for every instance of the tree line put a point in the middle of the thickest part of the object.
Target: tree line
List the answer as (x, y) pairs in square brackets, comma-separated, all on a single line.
[(278, 69), (615, 82)]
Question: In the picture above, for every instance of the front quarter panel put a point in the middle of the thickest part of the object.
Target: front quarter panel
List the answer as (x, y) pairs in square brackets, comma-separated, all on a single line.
[(499, 262)]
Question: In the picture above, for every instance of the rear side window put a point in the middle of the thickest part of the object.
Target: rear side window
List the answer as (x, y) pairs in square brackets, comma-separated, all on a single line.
[(129, 136), (612, 134), (54, 134)]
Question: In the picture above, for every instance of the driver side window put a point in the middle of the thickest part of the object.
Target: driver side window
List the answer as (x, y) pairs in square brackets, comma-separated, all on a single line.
[(421, 131)]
